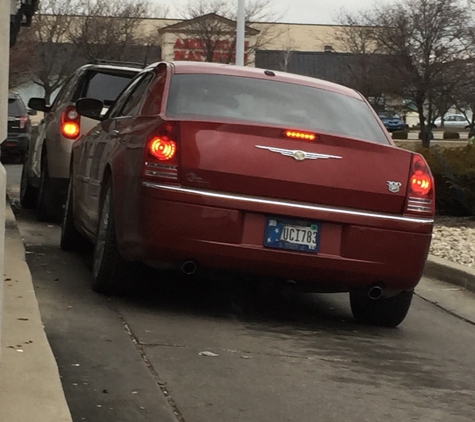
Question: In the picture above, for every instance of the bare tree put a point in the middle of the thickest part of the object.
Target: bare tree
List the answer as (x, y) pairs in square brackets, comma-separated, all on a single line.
[(369, 69), (428, 43), (425, 38), (212, 28), (52, 58), (110, 30)]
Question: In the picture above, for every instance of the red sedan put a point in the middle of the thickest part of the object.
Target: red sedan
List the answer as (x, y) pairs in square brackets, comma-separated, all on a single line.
[(202, 166)]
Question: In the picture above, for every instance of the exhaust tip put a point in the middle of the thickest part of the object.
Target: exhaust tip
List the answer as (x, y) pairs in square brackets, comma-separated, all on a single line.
[(375, 292), (189, 267)]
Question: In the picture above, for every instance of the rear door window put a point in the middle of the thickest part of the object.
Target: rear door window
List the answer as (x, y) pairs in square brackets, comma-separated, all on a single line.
[(15, 108), (202, 96)]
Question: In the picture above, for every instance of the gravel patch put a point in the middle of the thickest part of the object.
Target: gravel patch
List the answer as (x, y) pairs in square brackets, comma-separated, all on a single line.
[(454, 239)]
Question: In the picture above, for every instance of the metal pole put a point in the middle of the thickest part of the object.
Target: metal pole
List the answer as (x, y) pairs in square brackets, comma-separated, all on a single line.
[(240, 32)]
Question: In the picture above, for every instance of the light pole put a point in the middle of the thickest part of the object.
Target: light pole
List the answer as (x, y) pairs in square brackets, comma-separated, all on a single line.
[(240, 32)]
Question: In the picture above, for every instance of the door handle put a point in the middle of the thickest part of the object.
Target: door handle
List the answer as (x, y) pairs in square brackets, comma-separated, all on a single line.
[(114, 134), (96, 134)]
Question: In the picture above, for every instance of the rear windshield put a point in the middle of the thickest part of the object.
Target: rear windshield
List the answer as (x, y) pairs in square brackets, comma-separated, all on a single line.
[(15, 107), (201, 96), (106, 87)]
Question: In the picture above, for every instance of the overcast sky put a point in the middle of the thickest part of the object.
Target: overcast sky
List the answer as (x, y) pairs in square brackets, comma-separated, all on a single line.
[(298, 11)]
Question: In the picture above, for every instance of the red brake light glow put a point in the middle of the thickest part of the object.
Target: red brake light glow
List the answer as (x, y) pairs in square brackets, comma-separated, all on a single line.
[(421, 183), (23, 121), (70, 130), (162, 148), (421, 179), (70, 123), (294, 134)]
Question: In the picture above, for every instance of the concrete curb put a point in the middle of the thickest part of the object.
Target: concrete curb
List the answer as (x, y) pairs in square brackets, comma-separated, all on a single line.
[(445, 270), (30, 384)]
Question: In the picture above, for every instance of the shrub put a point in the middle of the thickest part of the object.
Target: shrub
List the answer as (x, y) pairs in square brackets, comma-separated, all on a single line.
[(400, 134), (451, 135), (454, 174)]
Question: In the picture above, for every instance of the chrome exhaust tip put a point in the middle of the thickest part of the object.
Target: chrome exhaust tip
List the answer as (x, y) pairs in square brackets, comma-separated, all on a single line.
[(189, 267)]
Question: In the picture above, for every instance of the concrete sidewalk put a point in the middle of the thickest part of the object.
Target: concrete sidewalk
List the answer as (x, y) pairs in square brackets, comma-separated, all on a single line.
[(30, 385)]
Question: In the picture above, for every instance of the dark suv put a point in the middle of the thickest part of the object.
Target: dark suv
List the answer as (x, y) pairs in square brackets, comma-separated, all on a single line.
[(45, 175), (19, 128)]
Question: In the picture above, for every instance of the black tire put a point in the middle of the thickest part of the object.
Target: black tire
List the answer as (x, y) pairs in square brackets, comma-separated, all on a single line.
[(28, 193), (45, 209), (112, 274), (71, 239), (384, 312)]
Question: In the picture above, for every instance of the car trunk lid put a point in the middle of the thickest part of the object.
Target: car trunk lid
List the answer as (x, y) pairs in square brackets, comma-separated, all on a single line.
[(259, 160)]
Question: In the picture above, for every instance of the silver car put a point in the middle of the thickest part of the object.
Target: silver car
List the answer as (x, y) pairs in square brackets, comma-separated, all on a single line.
[(46, 168)]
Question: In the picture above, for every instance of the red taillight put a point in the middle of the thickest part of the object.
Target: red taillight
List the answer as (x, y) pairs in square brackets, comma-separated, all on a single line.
[(162, 148), (71, 123), (421, 196), (161, 153), (295, 134), (23, 121)]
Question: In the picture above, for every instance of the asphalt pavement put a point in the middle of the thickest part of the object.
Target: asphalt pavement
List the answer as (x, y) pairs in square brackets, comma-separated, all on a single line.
[(197, 350)]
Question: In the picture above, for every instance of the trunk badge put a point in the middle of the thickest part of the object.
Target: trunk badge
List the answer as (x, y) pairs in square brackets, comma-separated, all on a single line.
[(299, 155), (394, 187)]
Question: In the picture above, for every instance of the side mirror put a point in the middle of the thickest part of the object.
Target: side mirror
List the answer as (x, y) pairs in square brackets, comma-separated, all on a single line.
[(32, 112), (90, 107), (38, 104)]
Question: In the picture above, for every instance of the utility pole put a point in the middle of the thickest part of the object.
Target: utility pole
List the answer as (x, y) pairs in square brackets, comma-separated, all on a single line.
[(240, 32)]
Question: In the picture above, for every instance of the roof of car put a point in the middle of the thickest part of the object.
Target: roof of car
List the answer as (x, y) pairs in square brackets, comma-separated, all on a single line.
[(111, 67), (183, 67)]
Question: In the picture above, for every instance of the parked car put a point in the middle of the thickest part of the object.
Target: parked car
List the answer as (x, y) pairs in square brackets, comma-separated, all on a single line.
[(453, 121), (19, 128), (391, 121), (216, 167), (46, 170)]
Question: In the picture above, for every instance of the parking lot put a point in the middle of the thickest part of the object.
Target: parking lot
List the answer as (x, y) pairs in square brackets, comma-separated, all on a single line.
[(214, 351)]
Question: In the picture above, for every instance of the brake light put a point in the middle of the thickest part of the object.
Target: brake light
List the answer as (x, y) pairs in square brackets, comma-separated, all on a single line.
[(23, 121), (71, 123), (162, 148), (421, 192), (294, 134), (161, 153)]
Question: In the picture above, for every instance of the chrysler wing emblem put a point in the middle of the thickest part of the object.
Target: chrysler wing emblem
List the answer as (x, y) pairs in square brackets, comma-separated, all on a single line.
[(299, 155)]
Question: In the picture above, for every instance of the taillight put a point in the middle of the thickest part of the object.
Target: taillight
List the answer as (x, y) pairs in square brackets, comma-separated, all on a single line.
[(421, 190), (161, 153), (71, 123), (162, 148), (23, 121), (296, 134)]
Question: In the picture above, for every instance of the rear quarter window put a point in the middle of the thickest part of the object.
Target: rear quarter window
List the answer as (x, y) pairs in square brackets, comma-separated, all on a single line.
[(202, 96), (16, 107), (105, 86)]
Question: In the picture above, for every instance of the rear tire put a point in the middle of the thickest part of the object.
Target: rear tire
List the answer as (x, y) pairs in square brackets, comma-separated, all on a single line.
[(112, 273), (71, 239), (28, 193), (45, 210), (384, 312)]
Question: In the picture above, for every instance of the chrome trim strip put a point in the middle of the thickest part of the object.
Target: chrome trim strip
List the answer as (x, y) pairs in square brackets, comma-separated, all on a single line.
[(302, 206)]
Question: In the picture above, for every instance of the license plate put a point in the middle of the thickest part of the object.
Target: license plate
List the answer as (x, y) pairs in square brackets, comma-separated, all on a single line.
[(296, 235)]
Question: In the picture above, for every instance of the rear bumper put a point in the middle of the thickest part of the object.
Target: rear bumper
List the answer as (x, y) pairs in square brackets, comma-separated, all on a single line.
[(226, 232), (15, 144)]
